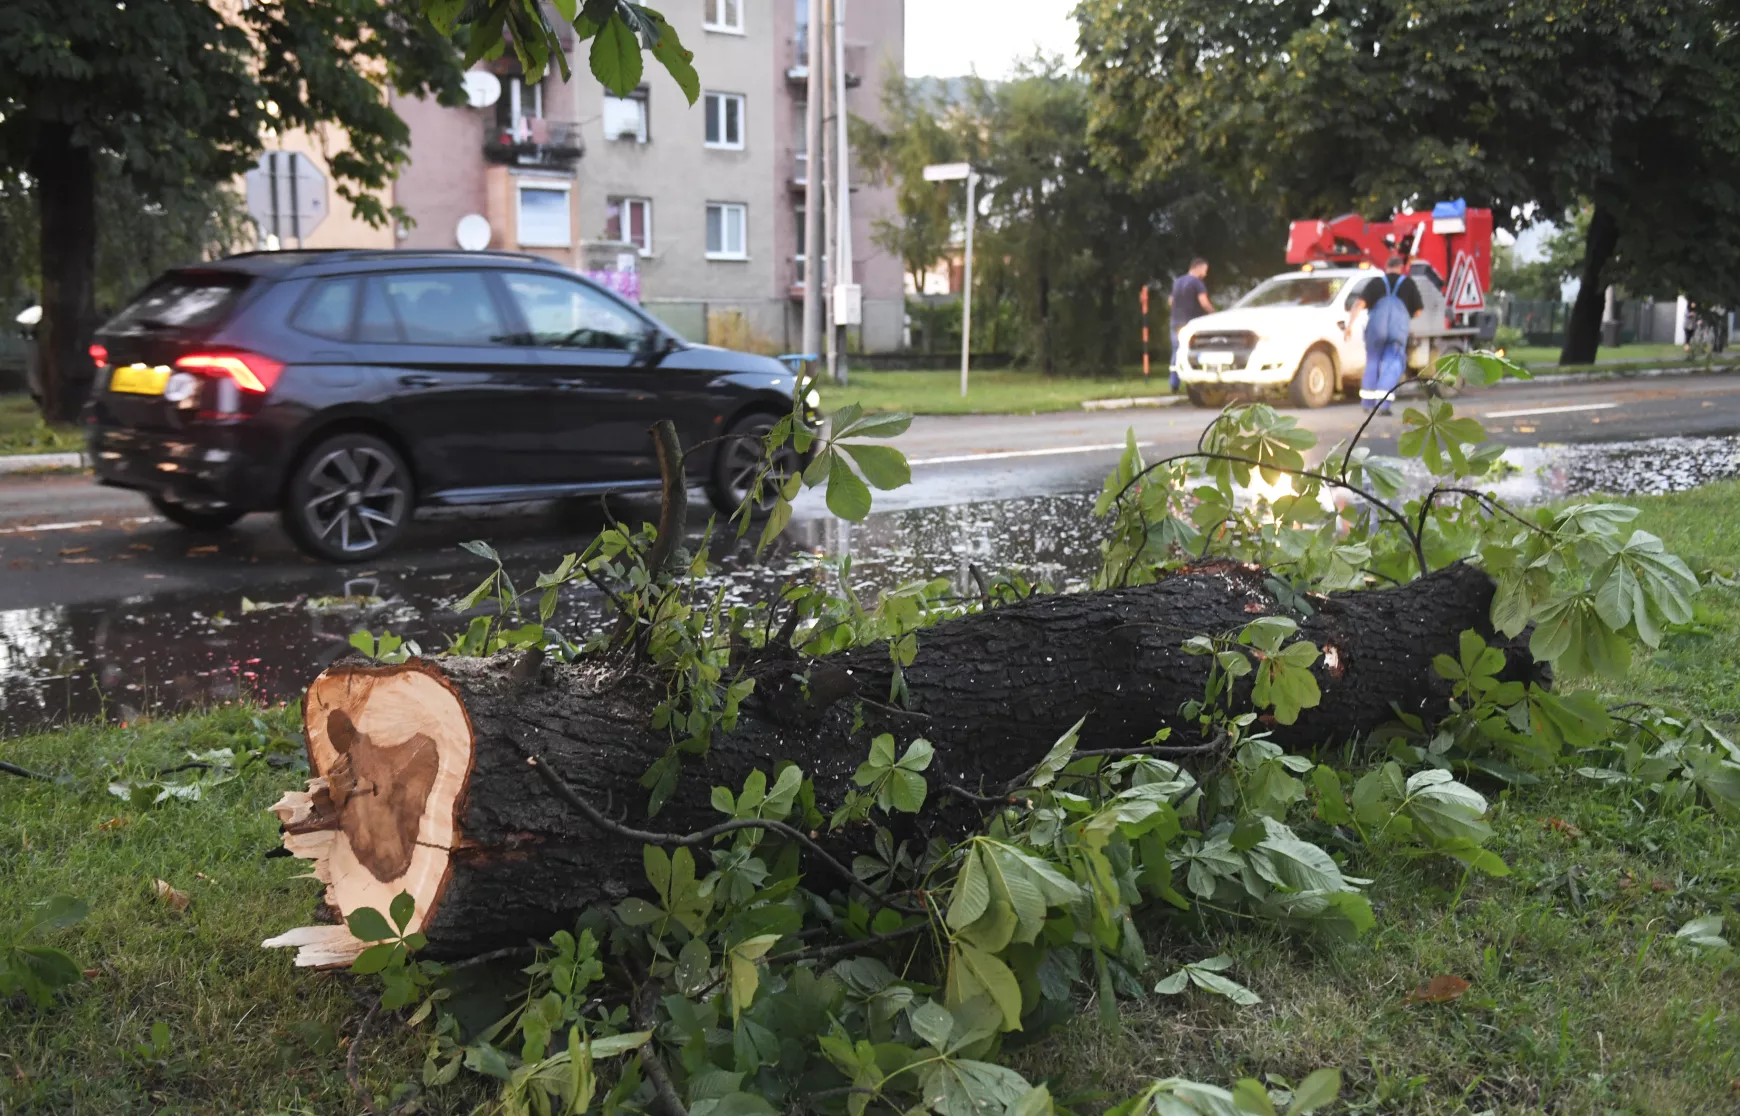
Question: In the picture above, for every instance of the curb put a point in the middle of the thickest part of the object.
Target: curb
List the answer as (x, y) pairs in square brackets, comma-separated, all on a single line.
[(1133, 401), (1647, 372), (41, 462)]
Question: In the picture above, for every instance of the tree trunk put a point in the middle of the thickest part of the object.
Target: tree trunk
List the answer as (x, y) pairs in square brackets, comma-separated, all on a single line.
[(422, 781), (66, 194), (1583, 330)]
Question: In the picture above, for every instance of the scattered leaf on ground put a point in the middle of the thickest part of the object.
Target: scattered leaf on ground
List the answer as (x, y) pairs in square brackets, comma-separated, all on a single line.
[(177, 899), (1441, 989)]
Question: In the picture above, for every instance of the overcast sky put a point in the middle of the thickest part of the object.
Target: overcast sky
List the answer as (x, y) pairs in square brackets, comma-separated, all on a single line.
[(950, 38)]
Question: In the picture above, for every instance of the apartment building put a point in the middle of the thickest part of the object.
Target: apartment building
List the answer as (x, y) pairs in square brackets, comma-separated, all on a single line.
[(705, 201)]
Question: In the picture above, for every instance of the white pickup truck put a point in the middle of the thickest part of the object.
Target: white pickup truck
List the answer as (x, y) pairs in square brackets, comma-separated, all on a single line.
[(1289, 332)]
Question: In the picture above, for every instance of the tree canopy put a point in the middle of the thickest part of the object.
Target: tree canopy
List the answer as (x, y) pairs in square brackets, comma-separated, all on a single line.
[(1062, 248), (1377, 104), (180, 95)]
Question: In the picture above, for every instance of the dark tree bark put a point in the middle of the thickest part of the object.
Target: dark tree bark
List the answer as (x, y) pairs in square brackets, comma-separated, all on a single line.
[(67, 196), (1583, 330), (991, 691)]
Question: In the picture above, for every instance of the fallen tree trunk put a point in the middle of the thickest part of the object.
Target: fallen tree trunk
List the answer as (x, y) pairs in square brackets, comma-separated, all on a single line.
[(422, 781)]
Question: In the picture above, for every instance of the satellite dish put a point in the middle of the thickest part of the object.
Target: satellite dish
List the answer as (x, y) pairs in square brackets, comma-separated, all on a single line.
[(472, 233), (482, 88)]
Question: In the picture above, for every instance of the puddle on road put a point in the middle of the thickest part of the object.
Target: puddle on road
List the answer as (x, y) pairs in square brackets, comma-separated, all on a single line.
[(119, 659)]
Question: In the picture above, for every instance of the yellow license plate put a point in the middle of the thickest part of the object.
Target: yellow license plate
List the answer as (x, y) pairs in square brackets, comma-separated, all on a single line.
[(139, 379)]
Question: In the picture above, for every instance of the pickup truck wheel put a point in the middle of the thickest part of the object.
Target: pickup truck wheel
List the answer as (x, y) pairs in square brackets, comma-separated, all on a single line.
[(1314, 383), (1205, 396)]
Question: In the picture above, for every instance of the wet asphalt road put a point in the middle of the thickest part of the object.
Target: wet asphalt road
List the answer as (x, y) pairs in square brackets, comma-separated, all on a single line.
[(66, 541), (108, 612)]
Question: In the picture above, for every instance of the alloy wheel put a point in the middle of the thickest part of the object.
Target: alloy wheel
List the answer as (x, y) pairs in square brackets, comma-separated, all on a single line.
[(740, 461), (356, 493)]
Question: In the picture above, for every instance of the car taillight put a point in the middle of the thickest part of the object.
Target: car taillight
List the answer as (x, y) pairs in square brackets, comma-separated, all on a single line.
[(99, 356), (250, 371)]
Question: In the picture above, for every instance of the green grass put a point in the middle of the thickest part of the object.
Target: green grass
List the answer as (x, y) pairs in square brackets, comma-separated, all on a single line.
[(23, 431), (248, 1033), (989, 393), (1579, 1003)]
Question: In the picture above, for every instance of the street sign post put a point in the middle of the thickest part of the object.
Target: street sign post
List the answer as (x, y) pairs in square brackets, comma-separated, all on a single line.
[(286, 195), (954, 172)]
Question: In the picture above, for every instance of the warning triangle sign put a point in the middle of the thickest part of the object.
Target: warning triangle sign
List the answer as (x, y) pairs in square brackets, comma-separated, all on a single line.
[(1464, 290)]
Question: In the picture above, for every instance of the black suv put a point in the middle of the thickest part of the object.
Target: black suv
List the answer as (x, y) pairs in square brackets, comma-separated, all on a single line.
[(345, 388)]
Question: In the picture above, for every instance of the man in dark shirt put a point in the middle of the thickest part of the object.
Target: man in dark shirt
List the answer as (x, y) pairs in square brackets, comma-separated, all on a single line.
[(1384, 362), (1189, 301)]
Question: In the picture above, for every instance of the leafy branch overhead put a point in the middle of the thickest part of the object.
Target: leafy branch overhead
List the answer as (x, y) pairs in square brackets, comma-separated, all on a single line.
[(618, 30)]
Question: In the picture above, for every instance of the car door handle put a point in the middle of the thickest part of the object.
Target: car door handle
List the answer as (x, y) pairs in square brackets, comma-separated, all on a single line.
[(419, 381)]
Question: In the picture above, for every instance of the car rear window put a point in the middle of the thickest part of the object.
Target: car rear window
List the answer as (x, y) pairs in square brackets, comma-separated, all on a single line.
[(181, 303)]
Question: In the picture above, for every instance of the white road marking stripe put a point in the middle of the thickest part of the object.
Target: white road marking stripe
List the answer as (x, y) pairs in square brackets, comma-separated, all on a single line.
[(30, 528), (1550, 410), (956, 459)]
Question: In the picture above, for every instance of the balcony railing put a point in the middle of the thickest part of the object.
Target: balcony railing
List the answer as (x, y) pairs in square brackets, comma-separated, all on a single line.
[(532, 141), (798, 64)]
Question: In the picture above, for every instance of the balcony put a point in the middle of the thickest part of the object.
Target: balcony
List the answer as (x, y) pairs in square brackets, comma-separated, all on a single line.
[(797, 70), (799, 162), (532, 141)]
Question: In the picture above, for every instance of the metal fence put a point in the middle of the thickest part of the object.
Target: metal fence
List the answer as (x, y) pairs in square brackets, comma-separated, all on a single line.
[(1642, 321)]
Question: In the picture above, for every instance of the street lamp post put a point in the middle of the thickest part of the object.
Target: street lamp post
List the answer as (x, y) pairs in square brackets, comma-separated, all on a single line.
[(954, 172)]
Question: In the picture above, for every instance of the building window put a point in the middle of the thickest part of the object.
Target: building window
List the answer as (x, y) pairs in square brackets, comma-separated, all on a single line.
[(519, 105), (625, 118), (727, 231), (725, 120), (723, 15), (629, 220), (543, 216)]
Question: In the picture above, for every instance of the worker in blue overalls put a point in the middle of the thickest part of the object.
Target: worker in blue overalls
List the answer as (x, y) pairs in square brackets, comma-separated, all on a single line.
[(1393, 302)]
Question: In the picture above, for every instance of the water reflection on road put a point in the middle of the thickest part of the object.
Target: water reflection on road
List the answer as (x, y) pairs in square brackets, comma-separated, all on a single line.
[(122, 658)]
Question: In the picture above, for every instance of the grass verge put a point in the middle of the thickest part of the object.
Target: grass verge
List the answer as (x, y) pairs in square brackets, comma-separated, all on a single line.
[(23, 431), (989, 393), (1580, 999), (246, 1031)]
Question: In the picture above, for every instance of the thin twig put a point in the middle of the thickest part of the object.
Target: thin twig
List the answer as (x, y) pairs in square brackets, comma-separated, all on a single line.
[(24, 772), (822, 953), (350, 1062), (1161, 750), (690, 840), (1308, 474), (492, 955), (981, 799), (669, 1103), (894, 710)]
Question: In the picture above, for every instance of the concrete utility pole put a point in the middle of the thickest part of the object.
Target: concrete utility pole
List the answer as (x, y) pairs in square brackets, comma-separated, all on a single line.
[(848, 304), (813, 236), (823, 61)]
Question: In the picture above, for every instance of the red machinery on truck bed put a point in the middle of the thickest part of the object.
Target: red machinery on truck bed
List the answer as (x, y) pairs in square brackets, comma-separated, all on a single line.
[(1449, 254)]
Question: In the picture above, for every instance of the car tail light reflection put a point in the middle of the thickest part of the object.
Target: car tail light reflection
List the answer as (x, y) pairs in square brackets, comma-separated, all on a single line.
[(250, 371)]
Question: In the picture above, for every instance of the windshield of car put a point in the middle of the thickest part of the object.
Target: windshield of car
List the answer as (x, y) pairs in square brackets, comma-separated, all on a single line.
[(1294, 290), (180, 303)]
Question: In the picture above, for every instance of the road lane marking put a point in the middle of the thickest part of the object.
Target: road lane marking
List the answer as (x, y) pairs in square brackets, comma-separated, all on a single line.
[(30, 528), (998, 455), (1550, 410)]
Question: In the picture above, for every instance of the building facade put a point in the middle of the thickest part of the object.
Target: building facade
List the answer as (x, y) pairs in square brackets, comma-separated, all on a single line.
[(704, 201)]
